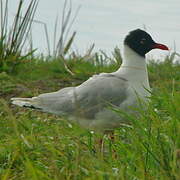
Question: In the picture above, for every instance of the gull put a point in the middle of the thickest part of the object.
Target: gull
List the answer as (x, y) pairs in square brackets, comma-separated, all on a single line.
[(88, 104)]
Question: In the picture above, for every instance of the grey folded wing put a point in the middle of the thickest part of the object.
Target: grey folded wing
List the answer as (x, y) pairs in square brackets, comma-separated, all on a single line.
[(85, 100)]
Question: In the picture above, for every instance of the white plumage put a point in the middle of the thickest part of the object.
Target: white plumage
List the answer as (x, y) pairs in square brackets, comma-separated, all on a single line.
[(88, 104)]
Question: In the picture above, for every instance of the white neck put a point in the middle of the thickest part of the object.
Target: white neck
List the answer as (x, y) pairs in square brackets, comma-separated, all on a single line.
[(132, 59), (134, 68)]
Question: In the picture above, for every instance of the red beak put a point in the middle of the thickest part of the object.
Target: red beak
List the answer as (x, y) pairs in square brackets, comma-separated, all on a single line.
[(160, 46)]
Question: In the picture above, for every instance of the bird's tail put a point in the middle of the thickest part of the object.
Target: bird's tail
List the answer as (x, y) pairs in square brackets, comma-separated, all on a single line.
[(26, 102)]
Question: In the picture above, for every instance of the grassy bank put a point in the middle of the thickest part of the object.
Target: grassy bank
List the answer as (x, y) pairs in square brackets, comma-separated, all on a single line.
[(40, 146), (36, 145)]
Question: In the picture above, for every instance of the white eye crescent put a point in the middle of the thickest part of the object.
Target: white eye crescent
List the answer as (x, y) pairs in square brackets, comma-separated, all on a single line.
[(142, 41)]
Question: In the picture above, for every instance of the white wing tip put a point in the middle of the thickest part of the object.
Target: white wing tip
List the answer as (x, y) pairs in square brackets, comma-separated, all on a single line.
[(20, 103)]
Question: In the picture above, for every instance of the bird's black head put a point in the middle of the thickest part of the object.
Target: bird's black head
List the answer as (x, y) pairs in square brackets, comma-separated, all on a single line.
[(141, 42)]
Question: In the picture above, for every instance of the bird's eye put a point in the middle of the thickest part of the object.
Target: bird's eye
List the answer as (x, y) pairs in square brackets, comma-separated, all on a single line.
[(142, 41)]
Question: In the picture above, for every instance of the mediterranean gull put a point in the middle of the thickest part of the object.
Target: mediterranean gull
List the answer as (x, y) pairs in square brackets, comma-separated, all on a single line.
[(88, 104)]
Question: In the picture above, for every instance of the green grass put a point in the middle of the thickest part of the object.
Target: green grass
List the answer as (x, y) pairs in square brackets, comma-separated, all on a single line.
[(41, 146), (13, 37)]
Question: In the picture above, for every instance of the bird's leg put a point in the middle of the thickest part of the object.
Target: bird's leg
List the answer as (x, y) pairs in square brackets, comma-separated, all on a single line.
[(107, 134), (111, 137), (110, 134), (100, 143)]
